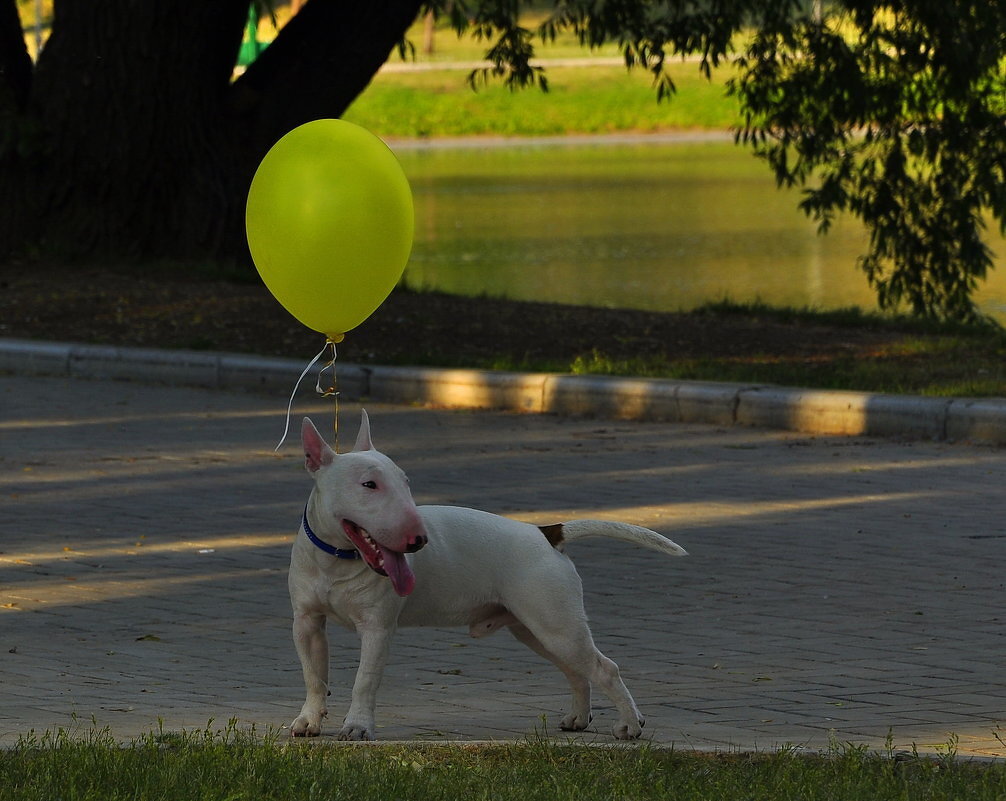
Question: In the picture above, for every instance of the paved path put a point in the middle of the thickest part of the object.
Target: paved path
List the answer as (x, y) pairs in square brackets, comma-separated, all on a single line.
[(836, 587)]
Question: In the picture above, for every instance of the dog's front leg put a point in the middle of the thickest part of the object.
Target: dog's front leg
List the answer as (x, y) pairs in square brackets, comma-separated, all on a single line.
[(375, 641), (312, 648)]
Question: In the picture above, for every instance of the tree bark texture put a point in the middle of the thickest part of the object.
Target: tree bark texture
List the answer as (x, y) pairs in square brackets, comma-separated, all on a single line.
[(132, 141), (15, 63)]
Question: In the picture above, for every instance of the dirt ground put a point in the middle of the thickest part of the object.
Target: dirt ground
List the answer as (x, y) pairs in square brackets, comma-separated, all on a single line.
[(165, 310)]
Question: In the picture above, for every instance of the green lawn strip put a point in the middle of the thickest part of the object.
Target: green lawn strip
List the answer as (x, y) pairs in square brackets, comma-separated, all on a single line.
[(584, 100), (231, 765)]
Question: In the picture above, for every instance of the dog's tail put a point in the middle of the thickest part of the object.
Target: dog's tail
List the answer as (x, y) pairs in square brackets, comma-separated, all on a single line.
[(561, 533)]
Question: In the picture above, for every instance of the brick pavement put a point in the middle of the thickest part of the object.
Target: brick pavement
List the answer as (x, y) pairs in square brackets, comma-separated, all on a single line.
[(836, 587)]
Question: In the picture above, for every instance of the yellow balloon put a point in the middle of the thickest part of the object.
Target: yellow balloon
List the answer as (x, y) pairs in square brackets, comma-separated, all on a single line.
[(329, 221)]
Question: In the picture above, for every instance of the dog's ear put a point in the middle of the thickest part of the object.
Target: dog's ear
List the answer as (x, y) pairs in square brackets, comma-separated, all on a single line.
[(363, 441), (317, 454)]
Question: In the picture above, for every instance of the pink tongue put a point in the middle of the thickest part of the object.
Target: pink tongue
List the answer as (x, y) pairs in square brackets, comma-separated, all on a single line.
[(398, 571)]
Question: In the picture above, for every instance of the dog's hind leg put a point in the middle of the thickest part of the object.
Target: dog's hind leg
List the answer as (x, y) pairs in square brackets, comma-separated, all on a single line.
[(573, 647), (579, 715)]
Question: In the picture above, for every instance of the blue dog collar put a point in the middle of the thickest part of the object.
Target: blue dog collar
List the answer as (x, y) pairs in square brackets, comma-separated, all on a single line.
[(338, 553)]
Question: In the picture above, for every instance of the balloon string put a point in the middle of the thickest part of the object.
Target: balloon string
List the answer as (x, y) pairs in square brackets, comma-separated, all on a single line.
[(333, 389), (324, 392)]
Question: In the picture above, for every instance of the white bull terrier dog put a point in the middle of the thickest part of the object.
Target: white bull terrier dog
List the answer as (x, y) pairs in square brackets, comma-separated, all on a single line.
[(367, 557)]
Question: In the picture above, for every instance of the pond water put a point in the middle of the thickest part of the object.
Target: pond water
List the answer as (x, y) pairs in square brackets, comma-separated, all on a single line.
[(659, 226)]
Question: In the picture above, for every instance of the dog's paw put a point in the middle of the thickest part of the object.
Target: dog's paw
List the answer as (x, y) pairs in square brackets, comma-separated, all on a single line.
[(575, 722), (307, 723), (302, 727), (630, 730), (356, 731)]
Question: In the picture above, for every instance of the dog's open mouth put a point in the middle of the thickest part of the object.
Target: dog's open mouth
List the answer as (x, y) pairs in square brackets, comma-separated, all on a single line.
[(381, 559)]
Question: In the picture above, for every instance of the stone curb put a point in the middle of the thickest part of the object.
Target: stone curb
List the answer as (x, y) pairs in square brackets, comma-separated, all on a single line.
[(794, 409)]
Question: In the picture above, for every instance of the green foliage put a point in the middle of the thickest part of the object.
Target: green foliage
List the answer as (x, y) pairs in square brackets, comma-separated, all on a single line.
[(646, 31), (894, 112)]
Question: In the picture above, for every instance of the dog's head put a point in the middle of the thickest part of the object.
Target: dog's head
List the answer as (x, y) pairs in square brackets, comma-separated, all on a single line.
[(364, 497)]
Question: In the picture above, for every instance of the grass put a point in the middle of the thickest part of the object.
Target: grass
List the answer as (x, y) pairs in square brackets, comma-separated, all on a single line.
[(447, 46), (851, 317), (926, 357), (593, 99), (945, 368), (917, 357), (925, 373), (581, 100), (228, 764)]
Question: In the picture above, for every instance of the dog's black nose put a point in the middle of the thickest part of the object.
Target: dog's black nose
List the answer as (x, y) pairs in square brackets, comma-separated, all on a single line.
[(416, 544)]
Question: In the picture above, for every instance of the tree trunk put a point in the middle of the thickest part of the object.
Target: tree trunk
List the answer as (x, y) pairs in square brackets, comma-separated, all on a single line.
[(134, 144), (324, 57), (15, 63)]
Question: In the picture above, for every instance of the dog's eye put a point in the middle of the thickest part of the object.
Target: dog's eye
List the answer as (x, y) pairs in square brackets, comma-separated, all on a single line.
[(369, 484)]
